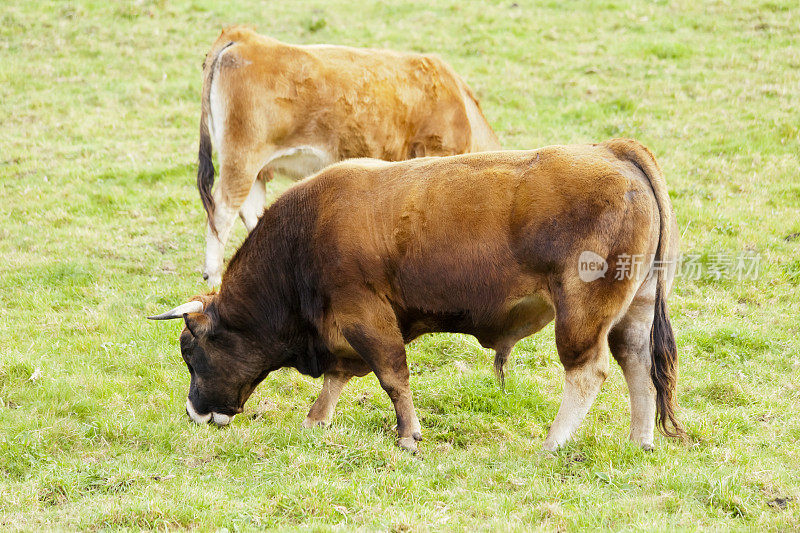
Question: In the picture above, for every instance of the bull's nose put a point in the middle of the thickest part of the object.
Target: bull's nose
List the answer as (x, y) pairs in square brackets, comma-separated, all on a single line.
[(195, 416)]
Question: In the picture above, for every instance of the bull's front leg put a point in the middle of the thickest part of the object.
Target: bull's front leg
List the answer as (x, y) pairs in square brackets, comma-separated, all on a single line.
[(379, 342), (321, 412)]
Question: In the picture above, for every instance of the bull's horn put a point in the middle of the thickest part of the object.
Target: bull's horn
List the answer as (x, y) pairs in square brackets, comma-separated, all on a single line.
[(178, 312)]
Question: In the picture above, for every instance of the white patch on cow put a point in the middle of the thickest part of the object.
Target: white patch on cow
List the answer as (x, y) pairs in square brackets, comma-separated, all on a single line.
[(482, 136), (299, 161), (368, 162), (224, 218), (218, 107), (581, 386), (321, 46), (220, 419), (253, 206), (196, 418)]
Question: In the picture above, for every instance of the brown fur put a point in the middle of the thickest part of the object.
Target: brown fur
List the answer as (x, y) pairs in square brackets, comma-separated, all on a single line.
[(347, 266), (348, 102)]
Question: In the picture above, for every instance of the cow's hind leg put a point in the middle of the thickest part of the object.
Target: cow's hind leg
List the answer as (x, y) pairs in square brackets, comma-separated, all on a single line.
[(256, 200), (235, 183), (629, 341)]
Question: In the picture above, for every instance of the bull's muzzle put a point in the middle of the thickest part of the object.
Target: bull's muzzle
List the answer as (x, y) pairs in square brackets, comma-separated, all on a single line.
[(217, 418)]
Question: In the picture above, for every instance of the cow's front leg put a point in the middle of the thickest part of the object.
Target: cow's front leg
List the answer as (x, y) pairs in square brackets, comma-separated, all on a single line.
[(378, 341), (321, 412)]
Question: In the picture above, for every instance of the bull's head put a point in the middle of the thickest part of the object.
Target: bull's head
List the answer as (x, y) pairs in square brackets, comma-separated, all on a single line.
[(223, 364)]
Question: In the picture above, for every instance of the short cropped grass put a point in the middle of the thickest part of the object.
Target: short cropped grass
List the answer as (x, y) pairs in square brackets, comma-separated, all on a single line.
[(100, 225)]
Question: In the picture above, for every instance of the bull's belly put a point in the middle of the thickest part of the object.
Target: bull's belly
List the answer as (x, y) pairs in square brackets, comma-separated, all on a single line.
[(515, 320)]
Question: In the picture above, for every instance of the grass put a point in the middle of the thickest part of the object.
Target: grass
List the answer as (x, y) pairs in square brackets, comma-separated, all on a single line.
[(100, 226)]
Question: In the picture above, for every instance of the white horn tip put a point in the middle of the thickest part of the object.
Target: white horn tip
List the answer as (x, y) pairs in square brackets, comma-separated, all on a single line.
[(178, 312)]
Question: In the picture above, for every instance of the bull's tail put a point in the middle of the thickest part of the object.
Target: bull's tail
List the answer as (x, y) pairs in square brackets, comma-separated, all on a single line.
[(205, 167), (663, 350)]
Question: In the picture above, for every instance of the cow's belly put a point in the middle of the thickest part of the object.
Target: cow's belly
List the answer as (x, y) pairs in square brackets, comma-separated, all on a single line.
[(299, 161)]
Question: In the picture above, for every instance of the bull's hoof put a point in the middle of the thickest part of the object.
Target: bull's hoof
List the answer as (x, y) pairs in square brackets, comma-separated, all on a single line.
[(648, 447), (550, 446), (409, 443), (309, 423)]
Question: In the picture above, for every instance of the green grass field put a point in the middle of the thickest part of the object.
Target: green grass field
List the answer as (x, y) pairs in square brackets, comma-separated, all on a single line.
[(100, 225)]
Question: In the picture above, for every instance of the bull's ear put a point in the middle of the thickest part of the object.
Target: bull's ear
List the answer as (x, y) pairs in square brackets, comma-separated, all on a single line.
[(198, 324)]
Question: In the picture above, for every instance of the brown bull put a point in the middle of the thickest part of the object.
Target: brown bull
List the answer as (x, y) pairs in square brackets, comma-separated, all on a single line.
[(273, 106), (349, 265)]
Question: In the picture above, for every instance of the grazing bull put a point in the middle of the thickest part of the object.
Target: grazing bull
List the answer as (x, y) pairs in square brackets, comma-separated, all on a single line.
[(349, 265), (295, 109)]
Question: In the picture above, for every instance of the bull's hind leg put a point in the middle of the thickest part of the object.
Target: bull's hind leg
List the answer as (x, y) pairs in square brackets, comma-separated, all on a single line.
[(629, 341), (235, 183), (585, 359)]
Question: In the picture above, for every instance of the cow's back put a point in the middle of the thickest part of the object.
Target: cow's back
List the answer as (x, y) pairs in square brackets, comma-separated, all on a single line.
[(358, 102)]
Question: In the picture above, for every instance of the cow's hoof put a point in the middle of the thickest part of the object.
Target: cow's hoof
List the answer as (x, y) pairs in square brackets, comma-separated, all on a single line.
[(309, 423), (213, 280), (648, 447), (408, 443)]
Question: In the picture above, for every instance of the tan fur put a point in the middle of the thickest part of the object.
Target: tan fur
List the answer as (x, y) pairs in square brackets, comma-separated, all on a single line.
[(296, 109)]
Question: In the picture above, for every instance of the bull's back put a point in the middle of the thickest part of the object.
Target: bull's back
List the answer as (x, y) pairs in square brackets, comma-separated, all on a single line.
[(453, 233)]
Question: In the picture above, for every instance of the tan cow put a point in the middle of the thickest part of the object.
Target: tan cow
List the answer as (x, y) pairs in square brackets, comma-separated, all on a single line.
[(295, 109), (348, 266)]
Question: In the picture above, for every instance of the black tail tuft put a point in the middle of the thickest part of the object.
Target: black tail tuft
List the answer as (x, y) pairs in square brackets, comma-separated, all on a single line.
[(205, 174), (664, 369)]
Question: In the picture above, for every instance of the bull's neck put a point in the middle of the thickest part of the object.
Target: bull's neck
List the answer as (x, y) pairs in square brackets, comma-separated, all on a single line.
[(271, 286)]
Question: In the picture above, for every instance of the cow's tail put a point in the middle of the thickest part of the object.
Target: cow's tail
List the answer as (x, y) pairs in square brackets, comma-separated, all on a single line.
[(483, 137), (663, 350), (205, 166)]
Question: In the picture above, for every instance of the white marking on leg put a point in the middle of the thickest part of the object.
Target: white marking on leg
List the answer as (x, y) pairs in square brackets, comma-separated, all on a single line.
[(321, 413), (643, 400), (215, 243), (253, 206), (581, 386), (218, 106), (196, 418)]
